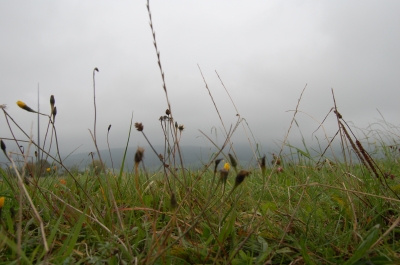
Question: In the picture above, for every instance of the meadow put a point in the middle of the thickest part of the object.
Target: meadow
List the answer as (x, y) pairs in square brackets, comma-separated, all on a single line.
[(292, 208)]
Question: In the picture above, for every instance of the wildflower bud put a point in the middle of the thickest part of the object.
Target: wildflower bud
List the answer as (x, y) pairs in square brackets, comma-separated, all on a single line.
[(262, 164), (3, 146), (227, 166), (54, 111), (240, 177), (224, 175), (139, 126), (22, 105), (176, 125), (233, 160), (216, 164), (139, 155), (52, 102), (167, 112)]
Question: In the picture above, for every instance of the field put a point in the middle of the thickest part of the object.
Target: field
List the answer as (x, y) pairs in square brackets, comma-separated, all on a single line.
[(292, 208)]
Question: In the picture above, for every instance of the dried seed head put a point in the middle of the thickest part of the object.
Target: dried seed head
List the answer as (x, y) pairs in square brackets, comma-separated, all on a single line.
[(161, 118), (167, 112), (181, 127), (96, 69), (54, 111), (22, 105), (109, 127), (161, 157), (139, 126), (139, 155), (240, 177), (176, 125), (3, 106)]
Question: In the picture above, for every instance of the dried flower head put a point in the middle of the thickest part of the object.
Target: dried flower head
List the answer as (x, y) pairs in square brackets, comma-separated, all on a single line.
[(139, 155), (22, 105), (3, 106), (181, 127), (109, 127), (96, 69), (167, 112), (139, 126)]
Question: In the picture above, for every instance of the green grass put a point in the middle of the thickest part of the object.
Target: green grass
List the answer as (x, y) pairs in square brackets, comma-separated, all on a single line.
[(300, 209), (304, 215)]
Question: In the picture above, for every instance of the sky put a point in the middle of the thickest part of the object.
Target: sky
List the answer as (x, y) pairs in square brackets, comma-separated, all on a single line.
[(265, 52)]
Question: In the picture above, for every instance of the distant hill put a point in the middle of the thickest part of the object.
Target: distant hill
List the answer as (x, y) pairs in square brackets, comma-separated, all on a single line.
[(193, 157)]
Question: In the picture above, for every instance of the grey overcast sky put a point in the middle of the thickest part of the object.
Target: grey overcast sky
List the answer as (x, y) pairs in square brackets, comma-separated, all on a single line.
[(265, 52)]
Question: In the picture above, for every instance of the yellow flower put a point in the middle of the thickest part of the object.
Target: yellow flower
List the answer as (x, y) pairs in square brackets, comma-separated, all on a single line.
[(227, 166), (48, 169), (2, 199), (22, 105), (63, 182)]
